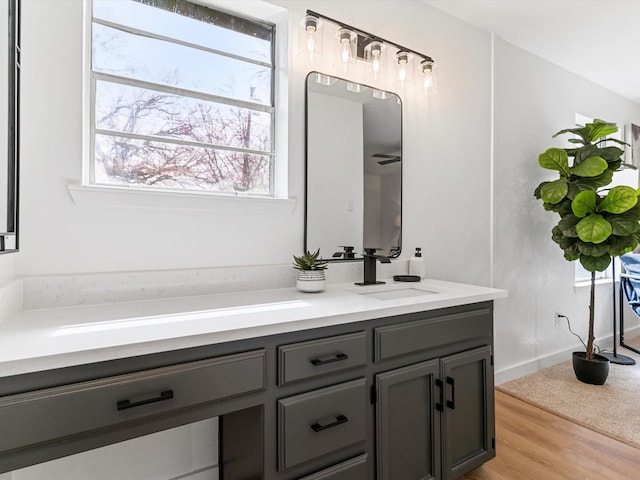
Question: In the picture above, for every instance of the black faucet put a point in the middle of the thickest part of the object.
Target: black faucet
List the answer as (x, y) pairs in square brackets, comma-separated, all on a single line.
[(347, 252), (370, 259)]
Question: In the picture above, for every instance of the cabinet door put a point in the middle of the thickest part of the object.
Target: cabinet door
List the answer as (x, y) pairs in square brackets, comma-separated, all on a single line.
[(469, 423), (407, 423)]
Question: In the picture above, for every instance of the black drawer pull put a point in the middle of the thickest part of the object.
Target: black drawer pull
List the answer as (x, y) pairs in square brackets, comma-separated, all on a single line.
[(340, 419), (452, 403), (441, 387), (335, 358), (124, 404)]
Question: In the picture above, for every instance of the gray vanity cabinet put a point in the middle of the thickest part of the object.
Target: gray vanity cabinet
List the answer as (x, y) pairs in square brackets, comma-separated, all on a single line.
[(407, 425), (434, 418), (468, 411), (405, 397)]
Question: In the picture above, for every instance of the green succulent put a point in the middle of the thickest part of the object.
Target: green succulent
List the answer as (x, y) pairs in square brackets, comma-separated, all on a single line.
[(309, 261)]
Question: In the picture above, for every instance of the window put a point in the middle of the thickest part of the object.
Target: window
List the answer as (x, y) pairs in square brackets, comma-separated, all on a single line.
[(182, 98)]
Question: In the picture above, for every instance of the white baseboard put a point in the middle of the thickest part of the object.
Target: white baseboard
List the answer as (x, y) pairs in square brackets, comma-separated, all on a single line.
[(541, 363)]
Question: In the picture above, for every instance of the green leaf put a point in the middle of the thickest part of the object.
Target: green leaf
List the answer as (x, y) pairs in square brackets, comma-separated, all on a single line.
[(621, 245), (584, 203), (595, 264), (615, 165), (555, 159), (601, 180), (572, 253), (614, 140), (610, 153), (563, 208), (581, 132), (599, 129), (582, 153), (619, 200), (592, 249), (567, 225), (554, 192), (594, 229), (591, 167), (623, 224)]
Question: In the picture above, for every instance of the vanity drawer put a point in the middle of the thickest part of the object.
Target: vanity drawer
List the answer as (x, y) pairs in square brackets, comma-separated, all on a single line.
[(411, 337), (353, 469), (299, 361), (58, 412), (321, 421)]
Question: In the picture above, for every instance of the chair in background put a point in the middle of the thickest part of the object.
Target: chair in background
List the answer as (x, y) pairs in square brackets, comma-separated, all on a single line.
[(629, 289)]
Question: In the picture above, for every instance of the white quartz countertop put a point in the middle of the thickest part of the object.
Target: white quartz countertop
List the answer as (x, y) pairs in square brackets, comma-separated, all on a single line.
[(36, 340)]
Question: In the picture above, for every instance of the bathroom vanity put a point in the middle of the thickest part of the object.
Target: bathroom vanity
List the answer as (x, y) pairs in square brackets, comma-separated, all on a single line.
[(383, 382)]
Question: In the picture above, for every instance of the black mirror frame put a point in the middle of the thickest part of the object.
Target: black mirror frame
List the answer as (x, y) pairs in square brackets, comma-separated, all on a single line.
[(358, 256), (13, 131)]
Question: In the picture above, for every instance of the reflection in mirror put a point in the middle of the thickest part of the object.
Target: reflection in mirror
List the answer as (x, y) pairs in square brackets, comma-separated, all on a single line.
[(9, 84), (354, 169)]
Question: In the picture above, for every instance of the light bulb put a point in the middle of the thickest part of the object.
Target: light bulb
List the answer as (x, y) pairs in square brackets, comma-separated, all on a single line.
[(311, 41), (344, 36), (376, 51), (426, 66), (403, 60), (311, 27), (346, 54)]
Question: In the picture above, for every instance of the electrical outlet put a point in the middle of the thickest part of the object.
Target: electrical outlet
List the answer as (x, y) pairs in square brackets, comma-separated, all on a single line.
[(557, 316)]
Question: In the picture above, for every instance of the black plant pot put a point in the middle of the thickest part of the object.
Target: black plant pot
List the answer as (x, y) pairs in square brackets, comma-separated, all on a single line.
[(593, 372)]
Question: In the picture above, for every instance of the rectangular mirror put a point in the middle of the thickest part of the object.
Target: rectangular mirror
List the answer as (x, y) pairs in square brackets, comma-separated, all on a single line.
[(353, 169), (9, 85)]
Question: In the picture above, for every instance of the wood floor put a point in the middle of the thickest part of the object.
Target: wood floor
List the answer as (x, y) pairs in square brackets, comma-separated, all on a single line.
[(532, 443)]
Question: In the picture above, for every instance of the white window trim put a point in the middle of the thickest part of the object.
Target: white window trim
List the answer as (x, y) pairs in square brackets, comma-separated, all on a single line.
[(140, 197)]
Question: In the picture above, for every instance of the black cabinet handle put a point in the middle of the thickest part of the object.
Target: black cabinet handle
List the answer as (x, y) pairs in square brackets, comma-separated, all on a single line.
[(439, 404), (340, 419), (452, 403), (124, 404), (323, 361)]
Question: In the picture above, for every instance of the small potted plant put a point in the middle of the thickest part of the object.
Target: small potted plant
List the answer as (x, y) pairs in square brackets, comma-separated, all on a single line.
[(311, 275), (596, 222)]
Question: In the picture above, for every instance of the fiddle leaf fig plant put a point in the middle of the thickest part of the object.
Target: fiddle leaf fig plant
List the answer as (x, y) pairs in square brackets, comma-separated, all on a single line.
[(596, 223)]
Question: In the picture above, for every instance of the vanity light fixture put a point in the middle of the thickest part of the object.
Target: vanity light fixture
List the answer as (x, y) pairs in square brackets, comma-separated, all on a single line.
[(347, 40), (375, 56), (404, 69), (353, 45), (310, 39), (429, 79)]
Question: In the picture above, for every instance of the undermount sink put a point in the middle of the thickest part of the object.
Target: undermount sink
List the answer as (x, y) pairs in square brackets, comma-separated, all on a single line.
[(397, 293)]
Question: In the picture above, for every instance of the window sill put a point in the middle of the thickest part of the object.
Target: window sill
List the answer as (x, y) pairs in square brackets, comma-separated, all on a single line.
[(587, 283), (105, 196)]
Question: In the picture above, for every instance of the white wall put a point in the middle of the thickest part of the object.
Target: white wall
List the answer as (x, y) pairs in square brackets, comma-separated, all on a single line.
[(335, 167), (446, 153), (533, 100), (446, 147), (6, 268)]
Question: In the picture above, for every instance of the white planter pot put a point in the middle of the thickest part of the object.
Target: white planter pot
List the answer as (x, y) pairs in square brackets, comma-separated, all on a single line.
[(311, 280)]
